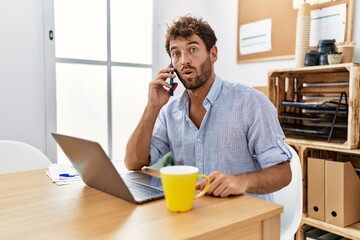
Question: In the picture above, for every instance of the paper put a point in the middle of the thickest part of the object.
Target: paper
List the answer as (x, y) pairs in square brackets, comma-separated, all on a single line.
[(328, 23), (255, 37), (55, 171)]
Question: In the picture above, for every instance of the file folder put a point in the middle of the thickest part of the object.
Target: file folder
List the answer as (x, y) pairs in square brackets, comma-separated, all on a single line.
[(316, 188), (342, 194)]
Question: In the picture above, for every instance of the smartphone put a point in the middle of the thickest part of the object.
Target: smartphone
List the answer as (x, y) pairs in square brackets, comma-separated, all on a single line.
[(172, 82)]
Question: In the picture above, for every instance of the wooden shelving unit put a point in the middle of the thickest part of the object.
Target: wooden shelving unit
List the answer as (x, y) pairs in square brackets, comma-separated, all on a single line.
[(352, 231), (284, 85), (308, 150), (315, 85)]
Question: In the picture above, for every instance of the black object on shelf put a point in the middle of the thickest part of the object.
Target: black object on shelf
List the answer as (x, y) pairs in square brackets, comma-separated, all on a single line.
[(316, 119), (326, 45), (323, 60), (312, 58)]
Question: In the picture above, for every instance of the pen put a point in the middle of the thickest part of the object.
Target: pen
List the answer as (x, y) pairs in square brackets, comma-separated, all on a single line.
[(67, 175), (172, 81)]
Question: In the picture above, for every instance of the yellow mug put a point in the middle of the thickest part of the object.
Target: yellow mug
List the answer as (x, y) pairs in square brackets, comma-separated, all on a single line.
[(179, 186)]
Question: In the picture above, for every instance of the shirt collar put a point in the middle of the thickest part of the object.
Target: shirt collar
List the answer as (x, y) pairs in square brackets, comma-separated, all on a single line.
[(214, 90), (211, 97)]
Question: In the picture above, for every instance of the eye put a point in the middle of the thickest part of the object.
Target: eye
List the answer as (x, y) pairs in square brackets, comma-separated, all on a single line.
[(175, 54), (193, 49)]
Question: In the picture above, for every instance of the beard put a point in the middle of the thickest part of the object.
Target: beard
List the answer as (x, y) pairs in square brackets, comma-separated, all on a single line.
[(203, 74)]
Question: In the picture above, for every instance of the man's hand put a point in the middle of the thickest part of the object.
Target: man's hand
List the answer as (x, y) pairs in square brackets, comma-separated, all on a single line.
[(264, 181), (158, 95), (223, 185)]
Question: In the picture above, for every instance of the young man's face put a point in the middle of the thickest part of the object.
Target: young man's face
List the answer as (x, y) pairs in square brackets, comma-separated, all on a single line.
[(193, 63)]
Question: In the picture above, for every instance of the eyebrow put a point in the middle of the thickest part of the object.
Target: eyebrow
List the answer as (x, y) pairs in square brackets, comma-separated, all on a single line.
[(193, 42), (187, 44)]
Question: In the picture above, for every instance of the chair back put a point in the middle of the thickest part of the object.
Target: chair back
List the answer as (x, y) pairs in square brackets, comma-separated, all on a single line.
[(291, 197), (18, 156)]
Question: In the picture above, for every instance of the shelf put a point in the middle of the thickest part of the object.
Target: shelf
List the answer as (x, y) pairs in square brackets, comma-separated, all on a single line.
[(344, 67), (313, 117), (331, 107), (311, 149), (304, 97), (315, 130), (352, 231), (319, 145), (334, 144), (319, 94)]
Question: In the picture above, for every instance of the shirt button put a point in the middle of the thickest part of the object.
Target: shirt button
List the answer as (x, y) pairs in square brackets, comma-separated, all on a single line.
[(198, 139), (199, 164)]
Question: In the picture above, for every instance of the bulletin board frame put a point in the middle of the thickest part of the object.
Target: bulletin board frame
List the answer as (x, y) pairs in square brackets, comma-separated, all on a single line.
[(283, 17)]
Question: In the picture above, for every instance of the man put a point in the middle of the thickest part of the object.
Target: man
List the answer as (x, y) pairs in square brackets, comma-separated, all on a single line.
[(227, 130)]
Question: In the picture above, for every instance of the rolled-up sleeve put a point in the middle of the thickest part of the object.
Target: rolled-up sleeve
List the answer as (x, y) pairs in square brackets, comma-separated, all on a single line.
[(266, 138)]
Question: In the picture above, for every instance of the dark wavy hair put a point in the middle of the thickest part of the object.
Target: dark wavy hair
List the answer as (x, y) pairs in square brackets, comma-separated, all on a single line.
[(187, 26)]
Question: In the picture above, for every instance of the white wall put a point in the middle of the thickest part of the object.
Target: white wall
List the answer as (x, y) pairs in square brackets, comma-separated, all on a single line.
[(22, 83), (222, 16)]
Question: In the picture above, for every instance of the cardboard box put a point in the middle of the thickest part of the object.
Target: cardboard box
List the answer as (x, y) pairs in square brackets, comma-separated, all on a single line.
[(342, 194), (316, 188)]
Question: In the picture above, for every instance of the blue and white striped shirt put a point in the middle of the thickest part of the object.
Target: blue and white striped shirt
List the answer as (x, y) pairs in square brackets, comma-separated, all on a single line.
[(239, 133)]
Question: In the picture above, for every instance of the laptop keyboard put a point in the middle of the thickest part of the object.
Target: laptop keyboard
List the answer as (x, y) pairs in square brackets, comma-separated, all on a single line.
[(139, 190)]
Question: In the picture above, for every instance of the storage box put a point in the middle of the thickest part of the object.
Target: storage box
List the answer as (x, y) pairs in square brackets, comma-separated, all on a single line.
[(333, 187), (312, 86), (316, 188), (342, 194)]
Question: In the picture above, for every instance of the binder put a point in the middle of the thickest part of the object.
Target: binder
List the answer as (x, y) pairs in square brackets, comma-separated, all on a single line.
[(342, 194), (316, 188)]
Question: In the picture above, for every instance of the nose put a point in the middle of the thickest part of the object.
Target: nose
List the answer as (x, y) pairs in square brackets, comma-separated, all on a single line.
[(185, 60)]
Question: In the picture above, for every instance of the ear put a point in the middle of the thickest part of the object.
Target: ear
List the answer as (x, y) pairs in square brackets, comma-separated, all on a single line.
[(213, 54)]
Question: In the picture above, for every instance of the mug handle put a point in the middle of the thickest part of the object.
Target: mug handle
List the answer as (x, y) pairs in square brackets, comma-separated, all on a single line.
[(202, 193)]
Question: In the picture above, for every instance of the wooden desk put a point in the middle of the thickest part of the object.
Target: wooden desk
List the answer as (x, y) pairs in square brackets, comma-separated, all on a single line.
[(31, 206)]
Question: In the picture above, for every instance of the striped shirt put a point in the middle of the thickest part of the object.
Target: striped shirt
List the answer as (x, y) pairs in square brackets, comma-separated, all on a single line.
[(239, 133)]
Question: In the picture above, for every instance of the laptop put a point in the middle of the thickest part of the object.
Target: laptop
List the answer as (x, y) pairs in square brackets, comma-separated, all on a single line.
[(97, 171)]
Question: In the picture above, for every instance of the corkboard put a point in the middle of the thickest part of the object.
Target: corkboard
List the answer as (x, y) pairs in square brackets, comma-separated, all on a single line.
[(283, 25)]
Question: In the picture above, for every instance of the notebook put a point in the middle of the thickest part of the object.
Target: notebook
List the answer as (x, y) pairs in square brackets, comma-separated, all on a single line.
[(97, 171)]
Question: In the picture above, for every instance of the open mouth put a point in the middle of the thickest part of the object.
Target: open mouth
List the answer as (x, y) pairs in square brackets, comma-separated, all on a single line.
[(187, 72)]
